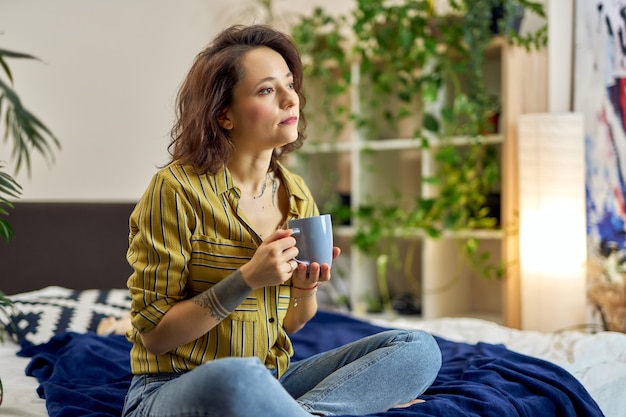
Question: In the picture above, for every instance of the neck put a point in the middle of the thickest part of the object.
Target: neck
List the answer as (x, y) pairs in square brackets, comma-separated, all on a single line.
[(252, 182), (248, 168)]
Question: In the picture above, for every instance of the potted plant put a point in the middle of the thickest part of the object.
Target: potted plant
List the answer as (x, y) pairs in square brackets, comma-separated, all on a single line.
[(28, 133), (417, 64)]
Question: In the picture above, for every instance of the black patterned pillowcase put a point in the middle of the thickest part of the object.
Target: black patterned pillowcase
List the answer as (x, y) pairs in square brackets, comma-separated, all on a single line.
[(40, 315)]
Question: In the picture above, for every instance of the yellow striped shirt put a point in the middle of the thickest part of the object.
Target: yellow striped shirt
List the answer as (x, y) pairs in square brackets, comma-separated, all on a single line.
[(186, 234)]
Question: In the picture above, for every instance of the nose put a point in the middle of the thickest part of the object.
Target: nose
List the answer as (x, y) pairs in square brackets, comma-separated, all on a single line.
[(289, 98)]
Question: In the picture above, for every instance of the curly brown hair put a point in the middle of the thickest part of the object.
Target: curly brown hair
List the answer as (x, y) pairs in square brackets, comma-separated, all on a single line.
[(197, 137)]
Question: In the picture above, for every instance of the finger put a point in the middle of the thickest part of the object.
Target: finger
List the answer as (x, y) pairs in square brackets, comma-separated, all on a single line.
[(336, 251), (278, 234), (283, 244), (300, 270), (325, 272), (289, 254), (314, 271)]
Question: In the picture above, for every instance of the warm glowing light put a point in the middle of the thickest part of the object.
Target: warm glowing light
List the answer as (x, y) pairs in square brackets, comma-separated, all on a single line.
[(552, 228), (550, 239)]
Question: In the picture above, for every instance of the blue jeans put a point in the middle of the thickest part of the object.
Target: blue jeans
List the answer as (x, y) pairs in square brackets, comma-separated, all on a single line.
[(363, 377)]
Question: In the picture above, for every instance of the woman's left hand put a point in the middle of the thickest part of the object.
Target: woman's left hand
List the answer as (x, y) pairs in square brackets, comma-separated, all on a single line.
[(317, 273), (303, 292)]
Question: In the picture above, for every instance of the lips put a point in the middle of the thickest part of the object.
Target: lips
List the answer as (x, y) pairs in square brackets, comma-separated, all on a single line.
[(290, 121)]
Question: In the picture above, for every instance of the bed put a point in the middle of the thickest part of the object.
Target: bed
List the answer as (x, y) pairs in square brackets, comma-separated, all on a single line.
[(488, 369)]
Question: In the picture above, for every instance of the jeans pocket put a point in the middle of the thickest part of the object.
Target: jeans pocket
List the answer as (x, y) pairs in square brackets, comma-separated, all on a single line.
[(141, 388), (152, 383)]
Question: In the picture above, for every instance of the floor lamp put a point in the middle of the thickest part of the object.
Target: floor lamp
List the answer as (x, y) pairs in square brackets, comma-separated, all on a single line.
[(552, 228)]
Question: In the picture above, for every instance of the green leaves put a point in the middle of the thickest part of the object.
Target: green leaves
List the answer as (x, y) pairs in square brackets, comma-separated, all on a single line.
[(429, 70), (529, 40), (322, 43), (27, 132), (4, 53), (7, 309), (8, 188), (378, 224)]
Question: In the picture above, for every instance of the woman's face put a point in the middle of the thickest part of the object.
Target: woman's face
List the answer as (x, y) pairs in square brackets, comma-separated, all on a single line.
[(265, 108)]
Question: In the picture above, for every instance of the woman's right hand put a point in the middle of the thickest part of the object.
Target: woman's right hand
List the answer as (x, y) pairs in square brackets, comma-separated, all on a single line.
[(272, 263)]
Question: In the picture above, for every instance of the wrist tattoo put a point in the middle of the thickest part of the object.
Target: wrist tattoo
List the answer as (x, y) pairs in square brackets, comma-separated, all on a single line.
[(225, 296)]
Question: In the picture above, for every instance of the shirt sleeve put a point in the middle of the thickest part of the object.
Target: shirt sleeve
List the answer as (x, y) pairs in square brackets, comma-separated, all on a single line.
[(159, 251)]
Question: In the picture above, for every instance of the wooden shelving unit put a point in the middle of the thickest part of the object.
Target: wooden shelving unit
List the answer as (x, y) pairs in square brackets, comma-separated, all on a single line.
[(374, 169)]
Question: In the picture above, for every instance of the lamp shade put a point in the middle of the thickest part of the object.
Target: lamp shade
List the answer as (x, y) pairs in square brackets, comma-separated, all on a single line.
[(552, 229)]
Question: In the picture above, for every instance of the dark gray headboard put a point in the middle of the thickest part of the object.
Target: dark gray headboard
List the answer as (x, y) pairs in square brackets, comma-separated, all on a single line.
[(74, 245)]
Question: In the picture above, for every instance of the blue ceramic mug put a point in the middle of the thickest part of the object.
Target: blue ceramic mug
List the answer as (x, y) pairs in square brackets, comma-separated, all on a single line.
[(314, 239)]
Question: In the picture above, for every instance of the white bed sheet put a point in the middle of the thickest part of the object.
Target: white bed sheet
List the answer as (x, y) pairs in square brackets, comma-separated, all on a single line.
[(20, 396), (598, 360)]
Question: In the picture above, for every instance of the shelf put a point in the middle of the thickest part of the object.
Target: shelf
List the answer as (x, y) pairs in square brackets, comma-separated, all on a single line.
[(397, 144), (481, 234), (494, 49), (391, 144), (466, 140), (314, 147), (432, 142), (378, 170)]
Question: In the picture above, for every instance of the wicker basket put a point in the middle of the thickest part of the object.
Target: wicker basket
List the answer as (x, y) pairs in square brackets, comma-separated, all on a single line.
[(609, 298)]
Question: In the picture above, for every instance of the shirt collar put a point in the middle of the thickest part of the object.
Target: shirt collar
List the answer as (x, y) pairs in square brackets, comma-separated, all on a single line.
[(293, 189), (223, 182)]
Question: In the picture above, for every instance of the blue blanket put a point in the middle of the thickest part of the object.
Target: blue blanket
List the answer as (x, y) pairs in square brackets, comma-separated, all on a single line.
[(88, 375)]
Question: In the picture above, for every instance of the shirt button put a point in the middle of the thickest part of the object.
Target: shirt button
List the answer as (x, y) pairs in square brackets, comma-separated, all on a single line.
[(271, 320)]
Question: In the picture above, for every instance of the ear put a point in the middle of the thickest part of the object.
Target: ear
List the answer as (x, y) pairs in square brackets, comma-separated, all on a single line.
[(223, 118)]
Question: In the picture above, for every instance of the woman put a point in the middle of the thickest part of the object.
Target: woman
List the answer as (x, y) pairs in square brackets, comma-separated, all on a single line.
[(215, 290)]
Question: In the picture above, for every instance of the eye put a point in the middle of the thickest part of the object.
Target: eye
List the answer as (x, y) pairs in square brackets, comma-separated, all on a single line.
[(265, 91), (291, 85)]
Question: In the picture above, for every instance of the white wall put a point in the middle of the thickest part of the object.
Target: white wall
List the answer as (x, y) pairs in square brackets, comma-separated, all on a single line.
[(105, 87), (560, 54), (107, 83), (110, 72)]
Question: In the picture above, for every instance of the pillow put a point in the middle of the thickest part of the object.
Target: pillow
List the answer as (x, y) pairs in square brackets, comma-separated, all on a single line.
[(42, 314)]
